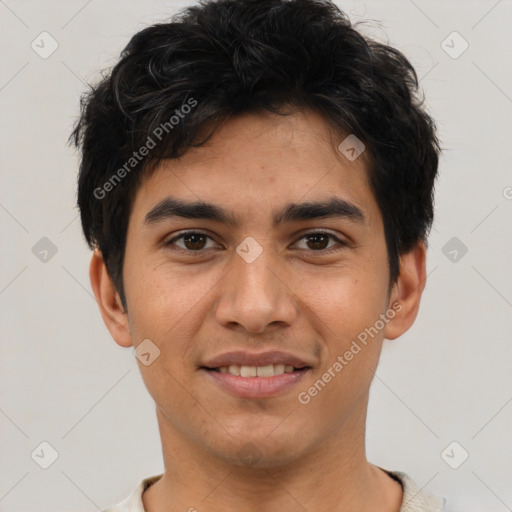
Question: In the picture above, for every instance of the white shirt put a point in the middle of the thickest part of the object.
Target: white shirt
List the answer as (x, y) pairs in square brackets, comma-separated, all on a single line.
[(414, 498)]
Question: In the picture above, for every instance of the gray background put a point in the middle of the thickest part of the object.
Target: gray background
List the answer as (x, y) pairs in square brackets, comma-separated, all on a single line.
[(65, 381)]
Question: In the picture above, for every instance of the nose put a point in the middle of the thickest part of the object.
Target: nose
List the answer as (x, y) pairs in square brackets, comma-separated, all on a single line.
[(256, 294)]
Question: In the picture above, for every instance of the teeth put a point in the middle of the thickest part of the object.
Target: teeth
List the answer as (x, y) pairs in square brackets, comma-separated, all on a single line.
[(248, 371), (265, 371), (256, 371), (279, 369), (234, 369)]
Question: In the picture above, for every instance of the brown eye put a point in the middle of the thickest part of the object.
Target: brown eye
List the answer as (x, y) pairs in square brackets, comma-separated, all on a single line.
[(193, 241), (318, 241)]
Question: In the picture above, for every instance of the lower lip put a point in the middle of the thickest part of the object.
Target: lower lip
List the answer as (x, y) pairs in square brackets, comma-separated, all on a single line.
[(256, 387)]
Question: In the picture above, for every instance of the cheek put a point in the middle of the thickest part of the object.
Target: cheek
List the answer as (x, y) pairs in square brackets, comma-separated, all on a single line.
[(346, 311), (167, 306), (347, 299), (162, 307)]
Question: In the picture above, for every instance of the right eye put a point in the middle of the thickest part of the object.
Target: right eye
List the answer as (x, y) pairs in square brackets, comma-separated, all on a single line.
[(193, 241)]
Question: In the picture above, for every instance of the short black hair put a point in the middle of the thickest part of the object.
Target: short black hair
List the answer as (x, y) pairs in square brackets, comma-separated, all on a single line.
[(176, 82)]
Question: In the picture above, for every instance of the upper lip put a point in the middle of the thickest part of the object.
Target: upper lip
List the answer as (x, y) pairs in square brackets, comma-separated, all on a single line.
[(242, 358)]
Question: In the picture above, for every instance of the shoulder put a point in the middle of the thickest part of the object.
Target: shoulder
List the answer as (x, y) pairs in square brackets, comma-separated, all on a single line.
[(416, 499), (133, 503)]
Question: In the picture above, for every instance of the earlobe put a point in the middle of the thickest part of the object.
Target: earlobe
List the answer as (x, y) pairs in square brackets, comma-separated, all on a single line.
[(406, 294), (109, 302)]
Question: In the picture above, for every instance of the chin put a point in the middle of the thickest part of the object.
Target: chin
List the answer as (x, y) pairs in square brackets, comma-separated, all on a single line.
[(261, 449)]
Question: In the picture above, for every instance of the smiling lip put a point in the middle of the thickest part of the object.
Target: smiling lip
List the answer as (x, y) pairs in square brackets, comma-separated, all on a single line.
[(242, 358), (255, 387)]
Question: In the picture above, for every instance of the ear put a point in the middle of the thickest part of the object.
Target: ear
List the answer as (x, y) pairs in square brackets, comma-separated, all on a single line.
[(406, 293), (109, 302)]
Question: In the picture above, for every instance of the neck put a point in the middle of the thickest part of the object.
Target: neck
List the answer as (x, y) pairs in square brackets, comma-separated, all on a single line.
[(334, 475)]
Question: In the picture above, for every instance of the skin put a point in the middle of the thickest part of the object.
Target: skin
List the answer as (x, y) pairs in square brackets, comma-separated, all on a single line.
[(294, 297)]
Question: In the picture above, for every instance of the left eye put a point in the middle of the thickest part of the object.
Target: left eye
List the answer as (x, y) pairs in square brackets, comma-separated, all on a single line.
[(319, 239), (195, 241)]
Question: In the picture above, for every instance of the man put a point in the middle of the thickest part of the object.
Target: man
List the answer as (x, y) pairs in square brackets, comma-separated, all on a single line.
[(256, 182)]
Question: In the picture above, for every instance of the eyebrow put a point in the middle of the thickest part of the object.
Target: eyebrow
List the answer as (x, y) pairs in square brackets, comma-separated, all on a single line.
[(334, 207)]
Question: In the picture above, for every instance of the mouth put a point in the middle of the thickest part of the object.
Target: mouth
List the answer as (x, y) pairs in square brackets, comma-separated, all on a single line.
[(247, 374), (270, 370), (255, 381)]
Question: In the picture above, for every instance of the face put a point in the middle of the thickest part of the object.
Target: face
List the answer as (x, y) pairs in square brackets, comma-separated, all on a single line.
[(259, 275)]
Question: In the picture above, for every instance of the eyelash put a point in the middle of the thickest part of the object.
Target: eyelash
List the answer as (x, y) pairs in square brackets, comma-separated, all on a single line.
[(321, 251)]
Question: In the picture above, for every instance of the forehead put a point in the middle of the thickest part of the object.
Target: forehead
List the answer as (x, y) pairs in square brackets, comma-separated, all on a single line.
[(260, 161)]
